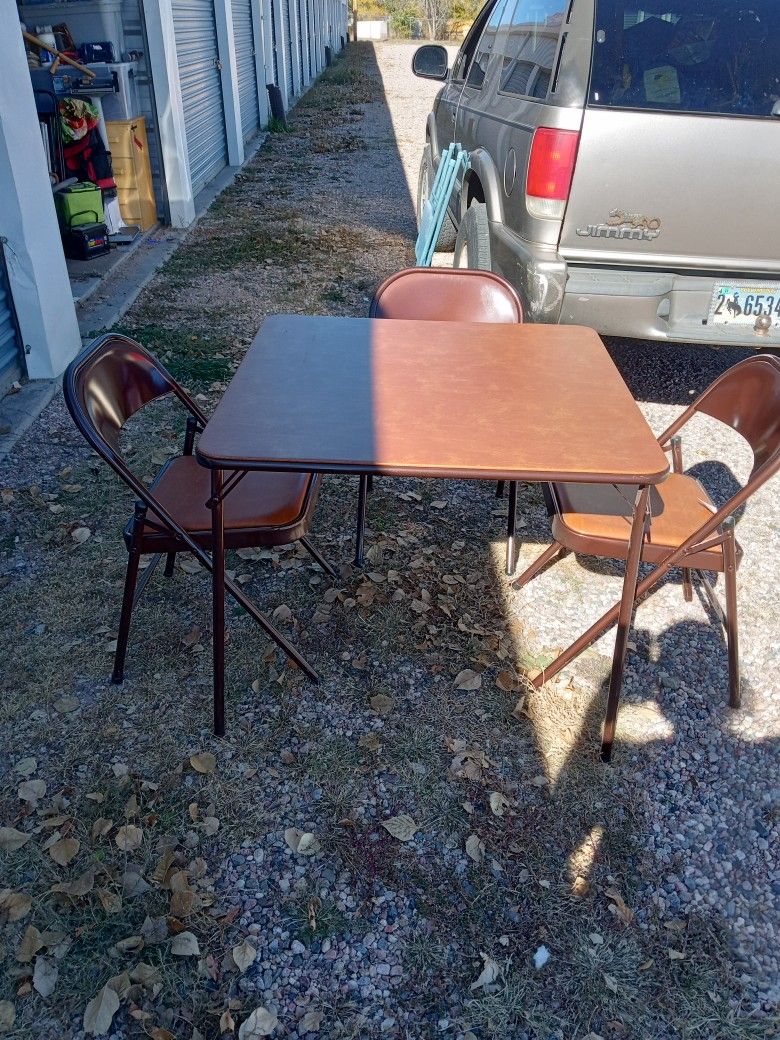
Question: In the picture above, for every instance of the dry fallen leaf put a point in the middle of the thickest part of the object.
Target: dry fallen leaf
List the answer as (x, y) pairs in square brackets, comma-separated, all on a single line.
[(31, 791), (499, 803), (311, 1022), (30, 944), (401, 827), (100, 1012), (11, 839), (129, 837), (204, 762), (468, 679), (260, 1023), (382, 704), (507, 681), (676, 955), (80, 535), (101, 827), (490, 972), (64, 850), (624, 912), (302, 842), (226, 1022), (184, 945), (244, 955), (475, 848), (45, 976), (13, 905), (26, 766)]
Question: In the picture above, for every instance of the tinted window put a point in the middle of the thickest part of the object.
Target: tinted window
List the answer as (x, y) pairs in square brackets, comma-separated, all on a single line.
[(687, 56), (476, 76), (529, 44), (466, 52)]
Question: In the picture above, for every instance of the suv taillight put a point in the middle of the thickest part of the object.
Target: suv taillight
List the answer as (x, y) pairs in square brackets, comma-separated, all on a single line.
[(550, 169)]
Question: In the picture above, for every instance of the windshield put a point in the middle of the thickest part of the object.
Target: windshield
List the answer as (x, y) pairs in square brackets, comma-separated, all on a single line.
[(720, 57)]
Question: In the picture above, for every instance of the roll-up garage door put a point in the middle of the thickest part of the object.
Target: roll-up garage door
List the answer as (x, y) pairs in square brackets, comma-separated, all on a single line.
[(244, 39), (201, 88), (288, 34), (301, 34), (308, 35), (11, 363)]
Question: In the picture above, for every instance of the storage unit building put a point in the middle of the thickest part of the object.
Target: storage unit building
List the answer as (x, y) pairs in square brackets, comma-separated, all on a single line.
[(201, 89), (246, 68), (11, 355)]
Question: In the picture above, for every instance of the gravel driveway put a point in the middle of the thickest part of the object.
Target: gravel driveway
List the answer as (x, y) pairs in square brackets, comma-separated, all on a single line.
[(474, 871)]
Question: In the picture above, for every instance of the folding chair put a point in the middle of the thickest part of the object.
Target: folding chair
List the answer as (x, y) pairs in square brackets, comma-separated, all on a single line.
[(108, 383), (446, 294), (454, 161), (688, 530)]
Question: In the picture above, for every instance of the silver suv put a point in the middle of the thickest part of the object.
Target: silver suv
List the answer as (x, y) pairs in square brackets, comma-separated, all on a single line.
[(624, 162)]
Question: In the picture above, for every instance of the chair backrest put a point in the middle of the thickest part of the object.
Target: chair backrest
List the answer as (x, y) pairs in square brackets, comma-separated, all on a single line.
[(447, 294), (109, 381), (745, 397)]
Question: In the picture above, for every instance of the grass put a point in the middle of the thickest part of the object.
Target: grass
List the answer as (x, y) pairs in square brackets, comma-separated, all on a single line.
[(293, 752)]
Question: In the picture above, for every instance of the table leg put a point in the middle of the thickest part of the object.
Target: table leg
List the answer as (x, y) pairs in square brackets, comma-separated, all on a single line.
[(627, 602), (361, 518), (218, 599)]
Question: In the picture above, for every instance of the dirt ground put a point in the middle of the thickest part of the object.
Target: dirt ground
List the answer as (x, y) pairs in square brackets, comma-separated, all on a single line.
[(469, 868)]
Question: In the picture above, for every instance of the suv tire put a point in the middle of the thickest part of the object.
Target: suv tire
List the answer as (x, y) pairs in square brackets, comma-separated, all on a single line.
[(472, 246), (448, 233)]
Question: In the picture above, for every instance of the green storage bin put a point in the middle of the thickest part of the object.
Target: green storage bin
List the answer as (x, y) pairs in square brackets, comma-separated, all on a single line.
[(81, 203)]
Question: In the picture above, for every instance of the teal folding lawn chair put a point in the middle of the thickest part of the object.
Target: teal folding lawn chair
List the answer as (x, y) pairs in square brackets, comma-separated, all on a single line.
[(454, 161)]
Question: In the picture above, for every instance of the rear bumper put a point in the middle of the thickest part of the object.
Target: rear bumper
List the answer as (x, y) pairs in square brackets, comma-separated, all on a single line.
[(616, 302), (651, 305)]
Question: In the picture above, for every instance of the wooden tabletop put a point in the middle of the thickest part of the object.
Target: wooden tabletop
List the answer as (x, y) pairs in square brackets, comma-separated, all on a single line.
[(431, 399)]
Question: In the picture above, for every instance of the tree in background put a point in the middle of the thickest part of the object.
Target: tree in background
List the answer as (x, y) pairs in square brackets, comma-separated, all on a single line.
[(441, 19)]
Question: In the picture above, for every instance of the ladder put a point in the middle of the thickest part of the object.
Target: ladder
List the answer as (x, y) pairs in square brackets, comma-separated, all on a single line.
[(454, 161)]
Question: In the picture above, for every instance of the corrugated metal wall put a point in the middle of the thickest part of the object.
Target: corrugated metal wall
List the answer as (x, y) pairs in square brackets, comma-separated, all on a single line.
[(244, 39), (11, 356), (288, 35), (201, 88)]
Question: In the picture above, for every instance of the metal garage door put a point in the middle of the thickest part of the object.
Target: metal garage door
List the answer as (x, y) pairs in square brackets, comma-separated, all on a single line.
[(301, 34), (11, 363), (288, 36), (308, 35), (275, 41), (244, 39), (201, 88)]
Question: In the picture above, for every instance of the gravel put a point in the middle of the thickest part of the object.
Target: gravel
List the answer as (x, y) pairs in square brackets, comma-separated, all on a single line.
[(387, 938)]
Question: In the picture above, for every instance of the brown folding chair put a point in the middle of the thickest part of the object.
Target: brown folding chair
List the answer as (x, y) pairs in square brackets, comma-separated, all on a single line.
[(687, 530), (111, 380), (446, 294)]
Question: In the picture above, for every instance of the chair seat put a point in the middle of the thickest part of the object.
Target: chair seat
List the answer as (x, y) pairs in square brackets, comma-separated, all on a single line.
[(595, 519), (262, 509)]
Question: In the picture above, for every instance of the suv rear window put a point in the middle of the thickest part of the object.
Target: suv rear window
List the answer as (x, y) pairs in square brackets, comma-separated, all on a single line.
[(720, 57)]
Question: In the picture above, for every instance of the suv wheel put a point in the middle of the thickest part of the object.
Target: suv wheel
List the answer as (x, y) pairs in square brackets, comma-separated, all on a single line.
[(448, 233), (472, 246)]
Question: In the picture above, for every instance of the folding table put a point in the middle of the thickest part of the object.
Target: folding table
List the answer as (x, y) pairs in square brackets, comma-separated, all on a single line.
[(433, 399)]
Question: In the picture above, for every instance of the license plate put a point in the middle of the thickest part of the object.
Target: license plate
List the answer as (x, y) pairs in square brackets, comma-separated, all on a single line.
[(743, 303)]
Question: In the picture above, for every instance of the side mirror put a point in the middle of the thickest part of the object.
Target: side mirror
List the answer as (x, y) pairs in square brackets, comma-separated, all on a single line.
[(430, 61)]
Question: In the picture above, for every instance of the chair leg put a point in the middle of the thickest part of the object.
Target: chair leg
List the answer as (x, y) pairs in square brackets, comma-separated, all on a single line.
[(128, 598), (511, 528), (170, 561), (687, 585), (538, 565), (370, 484), (361, 519), (318, 558), (732, 631), (500, 489)]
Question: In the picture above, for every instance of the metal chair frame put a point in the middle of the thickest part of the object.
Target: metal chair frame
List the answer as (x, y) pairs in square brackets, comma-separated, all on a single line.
[(719, 530), (147, 502)]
